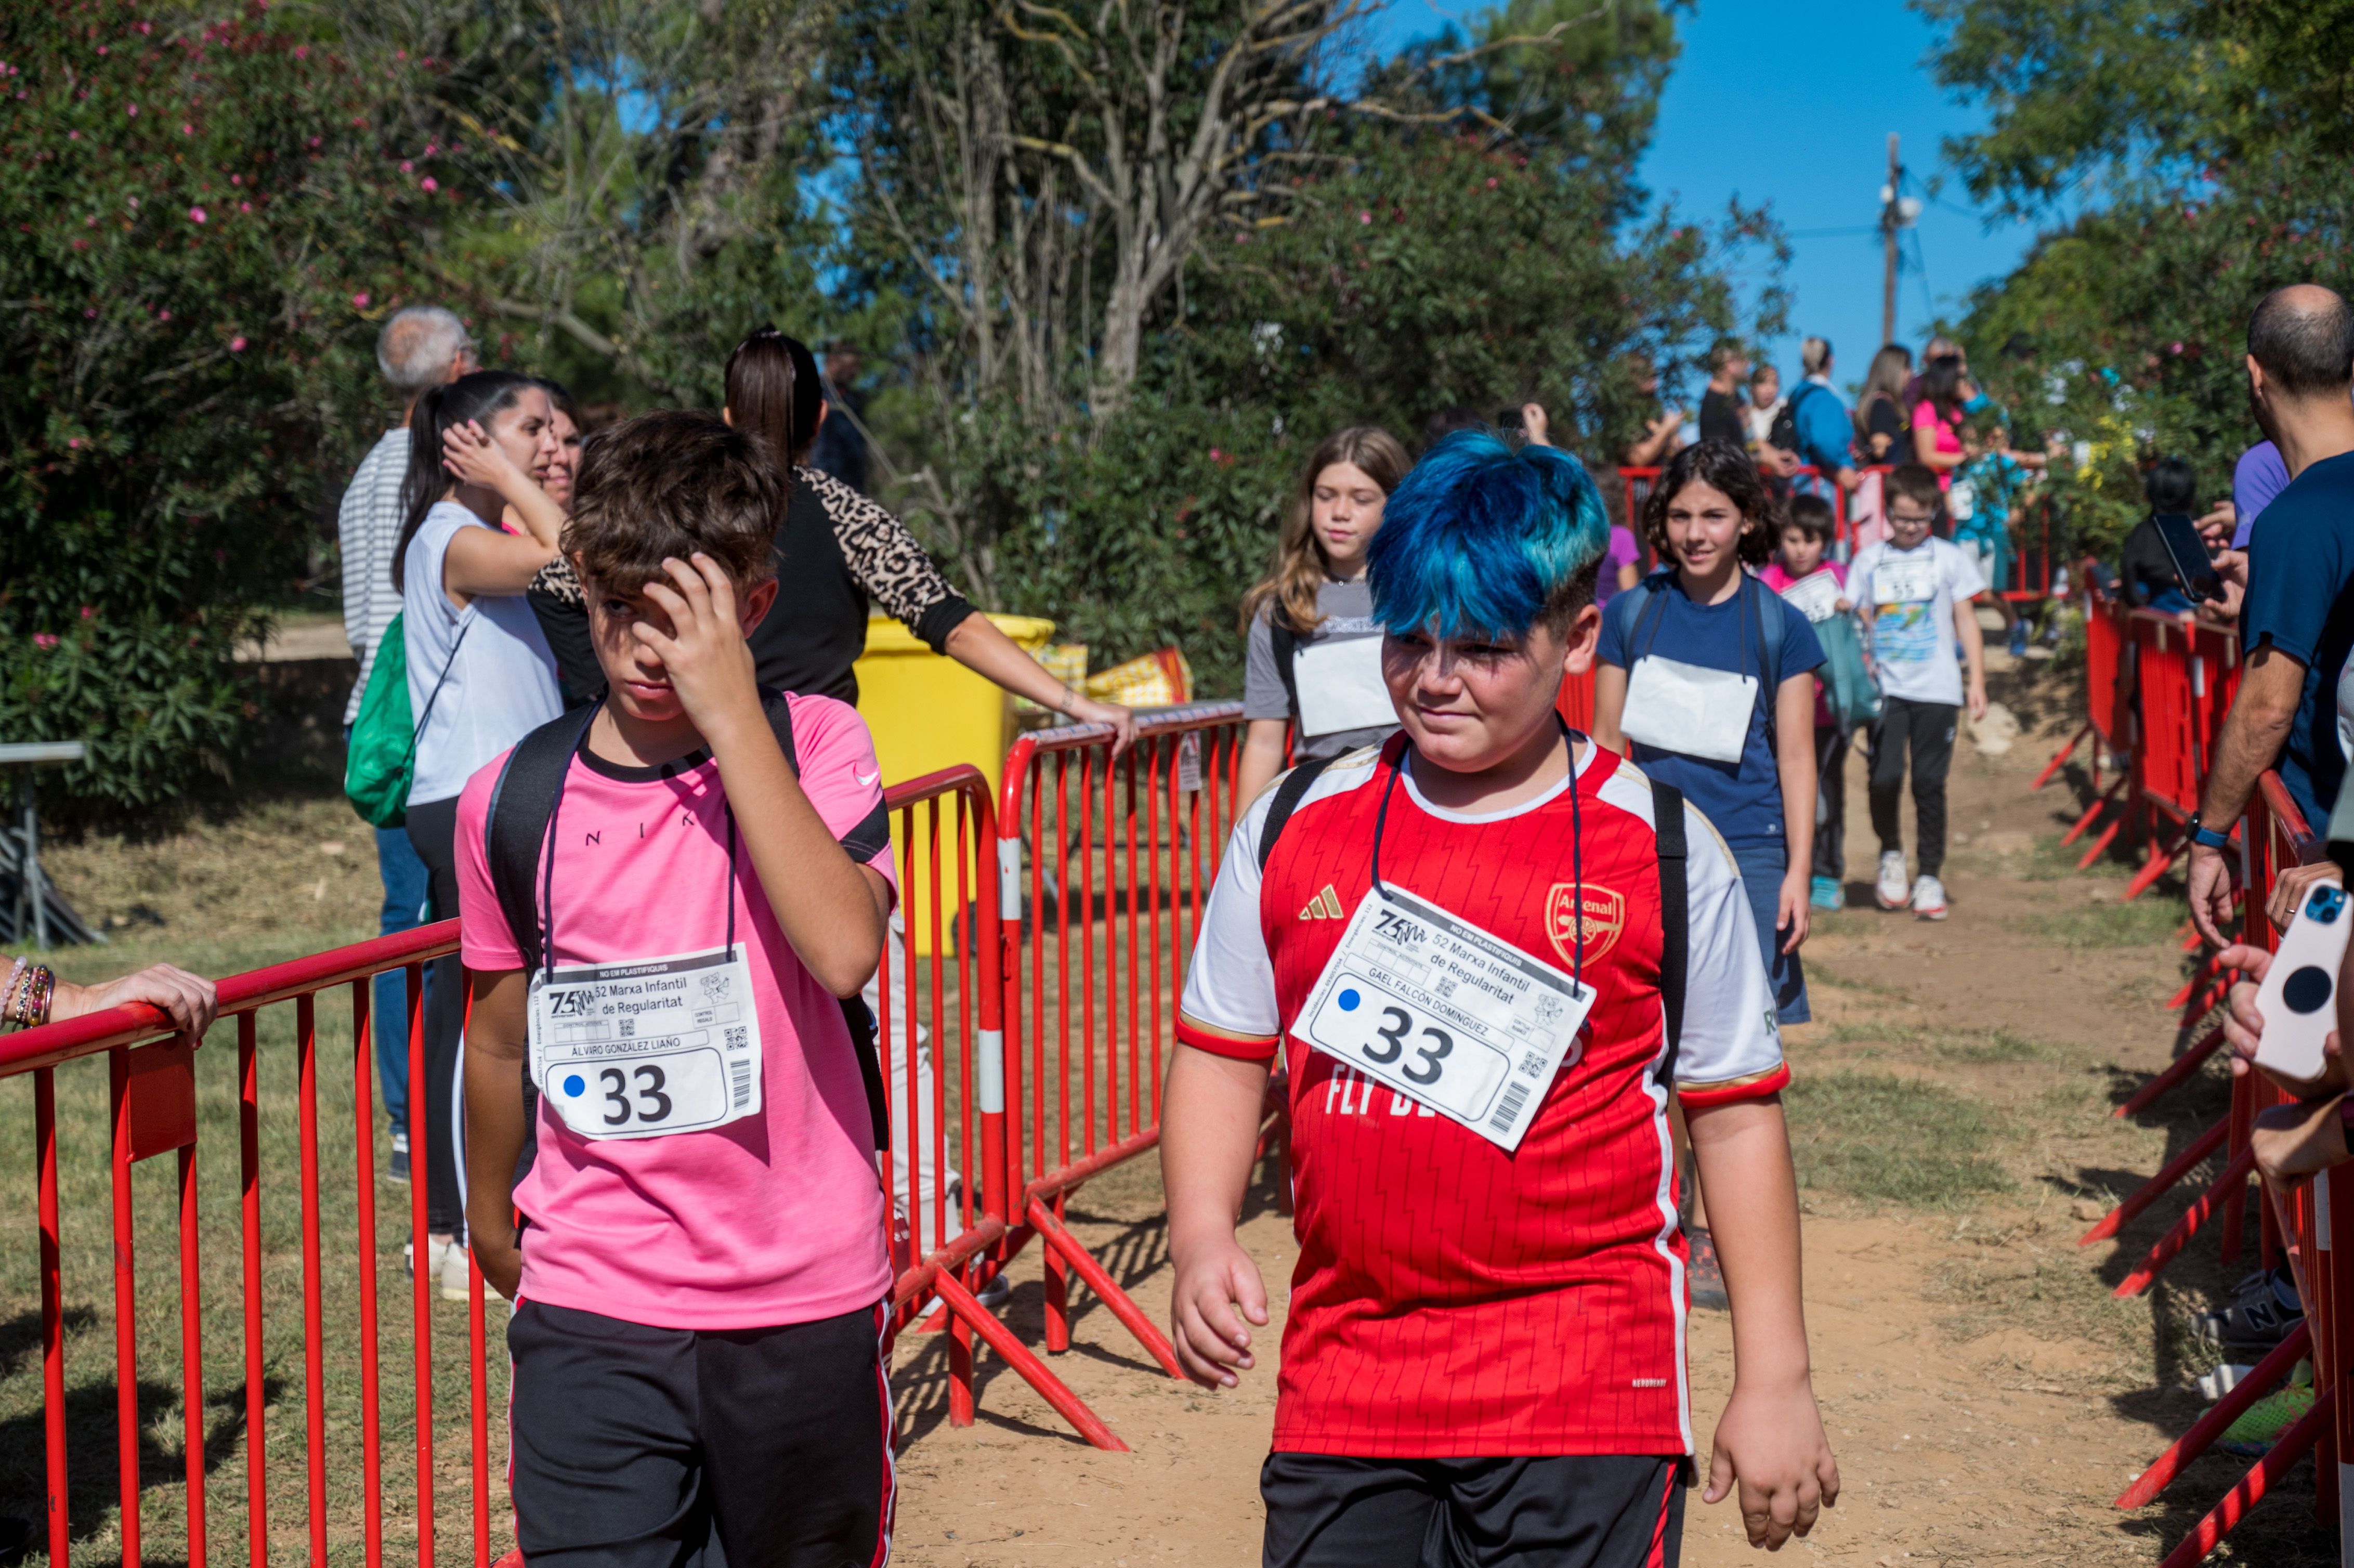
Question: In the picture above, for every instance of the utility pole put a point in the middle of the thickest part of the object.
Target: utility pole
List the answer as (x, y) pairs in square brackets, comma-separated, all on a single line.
[(1891, 220)]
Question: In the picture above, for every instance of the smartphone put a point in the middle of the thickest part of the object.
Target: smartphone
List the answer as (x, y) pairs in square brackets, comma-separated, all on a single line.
[(1510, 419), (2180, 533), (2298, 997)]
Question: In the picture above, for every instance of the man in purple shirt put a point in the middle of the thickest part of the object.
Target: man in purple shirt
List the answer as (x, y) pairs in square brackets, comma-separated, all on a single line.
[(2259, 476)]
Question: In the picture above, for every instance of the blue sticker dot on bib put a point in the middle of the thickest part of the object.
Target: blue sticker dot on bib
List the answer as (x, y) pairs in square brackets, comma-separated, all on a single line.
[(573, 1086), (1348, 999)]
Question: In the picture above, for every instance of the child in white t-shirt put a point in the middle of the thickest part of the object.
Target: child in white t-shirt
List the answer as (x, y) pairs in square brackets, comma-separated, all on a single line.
[(1915, 593)]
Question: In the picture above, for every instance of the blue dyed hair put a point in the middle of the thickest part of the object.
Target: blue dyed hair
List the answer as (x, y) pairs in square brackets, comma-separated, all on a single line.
[(1481, 537)]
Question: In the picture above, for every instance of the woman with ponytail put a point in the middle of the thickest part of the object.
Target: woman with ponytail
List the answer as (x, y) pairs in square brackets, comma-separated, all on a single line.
[(480, 678), (837, 553)]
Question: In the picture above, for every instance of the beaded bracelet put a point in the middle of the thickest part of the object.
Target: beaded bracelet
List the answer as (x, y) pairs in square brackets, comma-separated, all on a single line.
[(31, 987)]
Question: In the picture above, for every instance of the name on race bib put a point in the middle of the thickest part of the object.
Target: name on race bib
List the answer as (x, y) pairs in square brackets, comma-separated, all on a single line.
[(1445, 1015), (647, 1048)]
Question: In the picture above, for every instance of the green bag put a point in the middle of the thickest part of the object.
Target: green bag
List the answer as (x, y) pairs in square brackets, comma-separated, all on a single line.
[(382, 757), (1854, 697)]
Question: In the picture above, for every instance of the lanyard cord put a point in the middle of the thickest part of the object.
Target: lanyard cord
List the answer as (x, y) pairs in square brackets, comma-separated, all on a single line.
[(1576, 849), (548, 869)]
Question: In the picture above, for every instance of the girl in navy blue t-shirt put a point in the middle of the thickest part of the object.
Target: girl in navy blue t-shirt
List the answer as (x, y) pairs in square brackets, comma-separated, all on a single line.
[(1705, 678)]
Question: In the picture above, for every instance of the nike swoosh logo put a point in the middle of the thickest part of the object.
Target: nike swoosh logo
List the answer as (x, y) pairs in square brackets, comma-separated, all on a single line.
[(865, 778)]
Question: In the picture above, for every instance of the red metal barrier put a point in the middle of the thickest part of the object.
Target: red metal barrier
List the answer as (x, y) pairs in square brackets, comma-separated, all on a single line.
[(1120, 856), (154, 1108), (950, 987)]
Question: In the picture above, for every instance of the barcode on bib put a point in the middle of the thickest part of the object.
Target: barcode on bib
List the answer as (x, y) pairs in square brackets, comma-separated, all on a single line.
[(1516, 1095), (739, 1083)]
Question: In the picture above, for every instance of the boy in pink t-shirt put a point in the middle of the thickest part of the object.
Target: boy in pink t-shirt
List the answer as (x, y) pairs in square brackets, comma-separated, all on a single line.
[(1818, 587), (698, 1276)]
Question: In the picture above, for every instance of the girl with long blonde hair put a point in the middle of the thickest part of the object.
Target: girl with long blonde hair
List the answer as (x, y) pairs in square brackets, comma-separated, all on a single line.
[(1313, 655)]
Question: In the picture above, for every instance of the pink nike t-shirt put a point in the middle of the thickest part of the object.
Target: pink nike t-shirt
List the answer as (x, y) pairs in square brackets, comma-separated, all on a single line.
[(776, 1217)]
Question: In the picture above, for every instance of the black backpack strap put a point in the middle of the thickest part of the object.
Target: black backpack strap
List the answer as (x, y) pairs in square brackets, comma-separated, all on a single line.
[(1675, 912), (514, 829), (1285, 644), (1288, 796)]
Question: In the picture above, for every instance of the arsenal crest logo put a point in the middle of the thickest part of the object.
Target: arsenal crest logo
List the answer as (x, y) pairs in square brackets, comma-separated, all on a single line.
[(1605, 914)]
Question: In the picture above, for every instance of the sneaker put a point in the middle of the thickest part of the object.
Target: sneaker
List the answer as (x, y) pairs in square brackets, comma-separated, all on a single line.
[(996, 1293), (1703, 1274), (1826, 893), (395, 1171), (2265, 1311), (2253, 1436), (437, 1255), (1894, 887), (2019, 640), (457, 1278), (1929, 898)]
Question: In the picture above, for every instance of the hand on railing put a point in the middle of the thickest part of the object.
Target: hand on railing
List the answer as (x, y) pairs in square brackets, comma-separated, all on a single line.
[(188, 1001), (2300, 1138)]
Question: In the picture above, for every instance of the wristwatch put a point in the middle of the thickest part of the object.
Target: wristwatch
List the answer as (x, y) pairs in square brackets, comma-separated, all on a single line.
[(2205, 836)]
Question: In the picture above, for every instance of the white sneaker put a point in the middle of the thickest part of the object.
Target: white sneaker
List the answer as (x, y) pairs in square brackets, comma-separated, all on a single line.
[(437, 1255), (457, 1281), (1929, 898), (1893, 888)]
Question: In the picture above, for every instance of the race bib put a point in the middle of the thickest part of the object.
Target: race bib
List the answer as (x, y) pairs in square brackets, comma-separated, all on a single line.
[(1445, 1015), (1816, 596), (1341, 686), (1688, 708), (1908, 578), (650, 1048)]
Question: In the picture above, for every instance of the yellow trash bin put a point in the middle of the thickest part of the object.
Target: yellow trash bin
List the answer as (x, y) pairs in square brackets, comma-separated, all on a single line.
[(928, 712)]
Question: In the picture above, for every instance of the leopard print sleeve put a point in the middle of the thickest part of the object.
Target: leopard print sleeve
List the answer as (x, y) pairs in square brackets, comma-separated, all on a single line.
[(888, 561)]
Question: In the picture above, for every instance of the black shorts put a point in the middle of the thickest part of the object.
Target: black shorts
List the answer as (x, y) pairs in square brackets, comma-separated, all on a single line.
[(1580, 1511), (640, 1447)]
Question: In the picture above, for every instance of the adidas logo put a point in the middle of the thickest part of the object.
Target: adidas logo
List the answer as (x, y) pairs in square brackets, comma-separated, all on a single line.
[(1325, 906)]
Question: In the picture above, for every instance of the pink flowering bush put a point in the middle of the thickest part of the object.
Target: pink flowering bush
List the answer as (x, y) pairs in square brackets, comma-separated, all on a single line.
[(190, 365)]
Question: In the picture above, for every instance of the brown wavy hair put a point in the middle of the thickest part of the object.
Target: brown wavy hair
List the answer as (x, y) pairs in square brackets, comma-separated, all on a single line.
[(1722, 466), (1289, 591)]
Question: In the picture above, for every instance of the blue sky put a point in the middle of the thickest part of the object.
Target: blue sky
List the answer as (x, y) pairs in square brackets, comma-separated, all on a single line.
[(1792, 103)]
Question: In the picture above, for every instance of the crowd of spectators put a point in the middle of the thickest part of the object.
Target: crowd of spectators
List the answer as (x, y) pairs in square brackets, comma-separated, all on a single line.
[(452, 530)]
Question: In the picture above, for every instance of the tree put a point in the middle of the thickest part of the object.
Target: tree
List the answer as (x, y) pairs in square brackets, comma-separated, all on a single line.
[(1382, 255), (2211, 136), (203, 217), (634, 169)]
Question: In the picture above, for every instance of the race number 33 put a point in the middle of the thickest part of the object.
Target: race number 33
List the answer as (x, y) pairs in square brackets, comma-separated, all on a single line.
[(1445, 1015), (649, 1048)]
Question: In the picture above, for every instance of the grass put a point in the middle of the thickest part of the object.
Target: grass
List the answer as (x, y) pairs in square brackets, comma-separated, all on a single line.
[(1973, 1047), (2150, 921), (1883, 1139)]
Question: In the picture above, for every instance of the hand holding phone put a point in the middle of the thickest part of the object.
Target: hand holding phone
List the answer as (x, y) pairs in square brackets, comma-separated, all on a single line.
[(2179, 532), (2298, 997)]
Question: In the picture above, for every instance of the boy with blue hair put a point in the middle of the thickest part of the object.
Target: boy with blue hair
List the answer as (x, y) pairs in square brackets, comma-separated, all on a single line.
[(1489, 952)]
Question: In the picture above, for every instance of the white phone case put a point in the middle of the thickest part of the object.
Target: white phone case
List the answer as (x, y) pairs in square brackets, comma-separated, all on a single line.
[(2299, 994)]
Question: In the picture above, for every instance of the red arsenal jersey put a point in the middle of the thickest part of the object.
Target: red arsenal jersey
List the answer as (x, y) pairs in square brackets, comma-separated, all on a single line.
[(1452, 1299)]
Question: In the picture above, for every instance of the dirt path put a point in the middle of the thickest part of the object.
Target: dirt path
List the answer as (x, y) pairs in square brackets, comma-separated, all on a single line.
[(1986, 1396)]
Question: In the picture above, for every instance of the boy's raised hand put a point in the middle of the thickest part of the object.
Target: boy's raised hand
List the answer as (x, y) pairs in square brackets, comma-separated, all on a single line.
[(705, 653), (1218, 1286), (1771, 1441)]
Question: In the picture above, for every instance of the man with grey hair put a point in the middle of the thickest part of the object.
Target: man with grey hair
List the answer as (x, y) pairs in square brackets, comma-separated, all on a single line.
[(2296, 629), (420, 348)]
